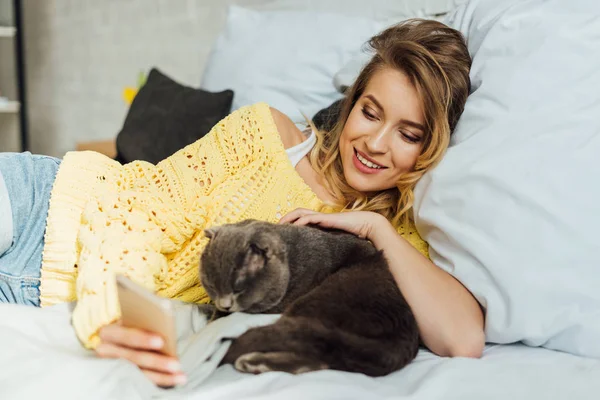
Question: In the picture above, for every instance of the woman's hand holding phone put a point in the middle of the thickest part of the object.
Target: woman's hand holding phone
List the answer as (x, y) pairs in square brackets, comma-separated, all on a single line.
[(143, 349), (146, 334)]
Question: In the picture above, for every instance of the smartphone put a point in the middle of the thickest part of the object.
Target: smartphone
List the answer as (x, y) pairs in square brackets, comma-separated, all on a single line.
[(142, 309)]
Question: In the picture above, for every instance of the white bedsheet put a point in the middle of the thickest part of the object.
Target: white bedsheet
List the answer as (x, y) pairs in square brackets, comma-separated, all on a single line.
[(41, 359)]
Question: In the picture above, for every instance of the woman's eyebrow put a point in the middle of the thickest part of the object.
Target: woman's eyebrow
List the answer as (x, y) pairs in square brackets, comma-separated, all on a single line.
[(374, 100), (413, 124), (404, 121)]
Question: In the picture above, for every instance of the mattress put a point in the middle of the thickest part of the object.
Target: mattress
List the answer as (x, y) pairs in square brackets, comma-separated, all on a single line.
[(41, 358)]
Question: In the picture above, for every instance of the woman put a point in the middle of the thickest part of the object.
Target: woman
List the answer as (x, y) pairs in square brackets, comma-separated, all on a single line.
[(146, 221)]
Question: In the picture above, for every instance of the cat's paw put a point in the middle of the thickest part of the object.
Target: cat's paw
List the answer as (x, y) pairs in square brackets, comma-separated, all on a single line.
[(206, 309), (252, 363), (257, 363)]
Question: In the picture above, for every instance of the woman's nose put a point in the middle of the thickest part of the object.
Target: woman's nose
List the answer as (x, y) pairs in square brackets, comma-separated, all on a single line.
[(377, 142)]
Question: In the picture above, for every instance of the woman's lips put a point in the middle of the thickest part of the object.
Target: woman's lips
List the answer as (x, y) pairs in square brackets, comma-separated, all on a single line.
[(362, 167)]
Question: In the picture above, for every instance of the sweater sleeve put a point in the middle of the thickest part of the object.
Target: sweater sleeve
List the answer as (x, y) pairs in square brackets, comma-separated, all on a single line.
[(153, 211), (125, 233), (409, 232)]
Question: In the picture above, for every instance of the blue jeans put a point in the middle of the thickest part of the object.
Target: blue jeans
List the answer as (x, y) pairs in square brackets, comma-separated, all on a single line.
[(25, 184)]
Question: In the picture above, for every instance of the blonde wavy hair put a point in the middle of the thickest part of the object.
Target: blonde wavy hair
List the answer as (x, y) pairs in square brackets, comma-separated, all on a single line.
[(436, 60)]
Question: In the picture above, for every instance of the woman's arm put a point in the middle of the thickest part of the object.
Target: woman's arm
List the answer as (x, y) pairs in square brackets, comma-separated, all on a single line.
[(167, 221), (450, 319)]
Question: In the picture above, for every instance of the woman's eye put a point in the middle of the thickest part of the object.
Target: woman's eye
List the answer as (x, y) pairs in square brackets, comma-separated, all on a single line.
[(410, 138), (368, 114)]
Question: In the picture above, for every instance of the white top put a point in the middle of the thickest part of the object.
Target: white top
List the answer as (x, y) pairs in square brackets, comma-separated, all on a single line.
[(297, 153)]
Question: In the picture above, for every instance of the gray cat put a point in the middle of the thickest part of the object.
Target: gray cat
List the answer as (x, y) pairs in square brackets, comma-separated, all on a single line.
[(341, 307)]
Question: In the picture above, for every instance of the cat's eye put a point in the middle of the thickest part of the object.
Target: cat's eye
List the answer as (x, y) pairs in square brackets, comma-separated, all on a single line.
[(238, 287)]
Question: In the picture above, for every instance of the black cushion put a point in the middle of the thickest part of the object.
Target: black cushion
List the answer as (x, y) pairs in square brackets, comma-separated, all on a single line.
[(325, 119), (166, 116)]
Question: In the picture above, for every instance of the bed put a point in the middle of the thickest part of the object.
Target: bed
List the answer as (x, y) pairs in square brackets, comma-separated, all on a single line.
[(492, 212), (41, 358)]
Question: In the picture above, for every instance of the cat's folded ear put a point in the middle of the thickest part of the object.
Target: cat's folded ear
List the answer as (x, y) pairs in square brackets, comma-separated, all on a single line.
[(255, 259), (263, 248), (211, 232), (268, 244), (260, 249)]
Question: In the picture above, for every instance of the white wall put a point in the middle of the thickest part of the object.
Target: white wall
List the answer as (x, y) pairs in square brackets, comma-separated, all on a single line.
[(80, 54)]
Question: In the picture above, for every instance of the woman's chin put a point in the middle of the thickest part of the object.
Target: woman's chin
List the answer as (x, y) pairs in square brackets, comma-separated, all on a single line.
[(360, 183)]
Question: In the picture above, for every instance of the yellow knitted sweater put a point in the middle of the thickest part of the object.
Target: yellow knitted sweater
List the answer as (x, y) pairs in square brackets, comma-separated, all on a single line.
[(146, 221)]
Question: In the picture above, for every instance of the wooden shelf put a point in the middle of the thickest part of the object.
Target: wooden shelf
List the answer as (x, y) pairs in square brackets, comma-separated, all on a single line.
[(7, 31), (11, 41), (10, 107)]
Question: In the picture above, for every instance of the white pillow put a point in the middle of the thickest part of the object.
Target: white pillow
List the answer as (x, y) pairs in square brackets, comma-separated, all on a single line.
[(513, 210), (392, 12), (385, 10), (346, 76), (285, 58)]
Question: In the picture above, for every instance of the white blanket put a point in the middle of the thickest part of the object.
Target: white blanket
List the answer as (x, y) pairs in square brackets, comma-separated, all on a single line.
[(40, 358), (40, 355)]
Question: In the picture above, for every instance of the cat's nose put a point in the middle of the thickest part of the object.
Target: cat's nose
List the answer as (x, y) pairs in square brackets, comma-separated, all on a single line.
[(224, 303)]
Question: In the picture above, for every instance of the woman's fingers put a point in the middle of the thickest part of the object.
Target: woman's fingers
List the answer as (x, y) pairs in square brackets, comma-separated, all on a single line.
[(165, 380), (129, 337), (146, 360), (349, 222), (314, 219), (140, 347), (294, 215), (359, 223), (162, 370)]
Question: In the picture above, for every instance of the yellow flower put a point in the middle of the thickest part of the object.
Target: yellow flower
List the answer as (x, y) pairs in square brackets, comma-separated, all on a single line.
[(129, 94)]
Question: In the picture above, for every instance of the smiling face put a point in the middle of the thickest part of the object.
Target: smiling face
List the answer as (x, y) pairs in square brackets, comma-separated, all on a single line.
[(384, 133)]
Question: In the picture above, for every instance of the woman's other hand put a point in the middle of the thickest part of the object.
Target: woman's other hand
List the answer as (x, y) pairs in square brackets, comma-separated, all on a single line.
[(141, 348), (450, 319), (361, 223)]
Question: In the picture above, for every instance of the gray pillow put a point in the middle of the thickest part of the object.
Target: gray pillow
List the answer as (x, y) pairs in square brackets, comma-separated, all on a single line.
[(166, 116)]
